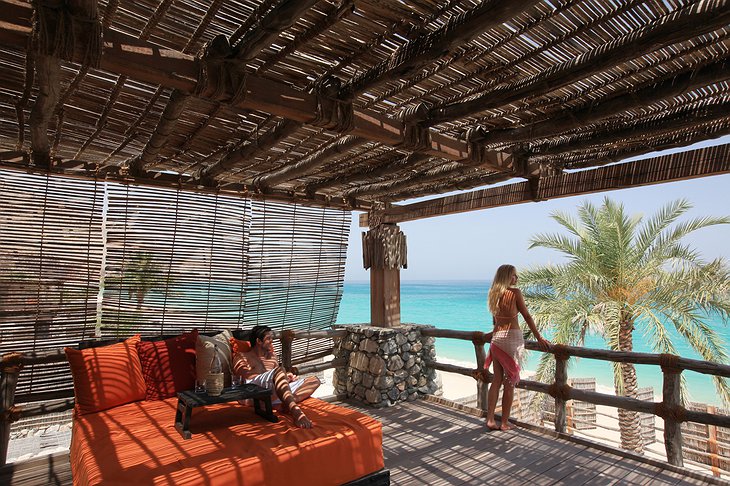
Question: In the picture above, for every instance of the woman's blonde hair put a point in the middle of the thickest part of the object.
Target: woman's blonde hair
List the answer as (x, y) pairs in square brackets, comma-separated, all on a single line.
[(501, 282)]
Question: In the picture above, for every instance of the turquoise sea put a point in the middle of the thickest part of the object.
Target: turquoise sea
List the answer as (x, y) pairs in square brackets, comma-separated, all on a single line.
[(461, 305)]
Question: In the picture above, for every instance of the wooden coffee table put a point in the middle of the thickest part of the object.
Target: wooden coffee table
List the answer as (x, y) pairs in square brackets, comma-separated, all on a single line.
[(188, 400)]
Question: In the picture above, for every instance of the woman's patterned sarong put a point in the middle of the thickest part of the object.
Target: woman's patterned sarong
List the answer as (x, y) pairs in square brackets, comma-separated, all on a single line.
[(507, 348)]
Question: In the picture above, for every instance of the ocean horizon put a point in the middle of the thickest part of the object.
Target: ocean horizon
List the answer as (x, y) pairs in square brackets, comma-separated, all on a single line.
[(461, 305)]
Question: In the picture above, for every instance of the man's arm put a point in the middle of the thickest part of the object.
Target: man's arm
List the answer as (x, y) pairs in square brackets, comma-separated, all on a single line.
[(242, 366)]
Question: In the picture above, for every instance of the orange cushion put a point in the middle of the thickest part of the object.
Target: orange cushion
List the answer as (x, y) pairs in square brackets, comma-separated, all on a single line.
[(168, 366), (240, 346), (138, 444), (106, 376)]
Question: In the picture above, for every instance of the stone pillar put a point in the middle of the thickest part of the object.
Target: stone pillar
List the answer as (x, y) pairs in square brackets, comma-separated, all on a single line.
[(385, 366), (384, 253)]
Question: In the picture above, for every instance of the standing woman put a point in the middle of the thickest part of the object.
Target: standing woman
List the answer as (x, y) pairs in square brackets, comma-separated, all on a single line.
[(505, 302)]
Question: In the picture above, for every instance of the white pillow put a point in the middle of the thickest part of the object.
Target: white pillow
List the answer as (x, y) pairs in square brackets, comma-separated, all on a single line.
[(204, 348)]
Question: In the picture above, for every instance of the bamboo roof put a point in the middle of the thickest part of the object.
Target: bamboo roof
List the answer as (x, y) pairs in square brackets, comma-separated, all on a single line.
[(356, 103)]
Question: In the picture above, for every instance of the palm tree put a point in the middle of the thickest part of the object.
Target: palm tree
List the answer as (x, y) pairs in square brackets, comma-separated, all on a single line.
[(622, 272), (144, 275)]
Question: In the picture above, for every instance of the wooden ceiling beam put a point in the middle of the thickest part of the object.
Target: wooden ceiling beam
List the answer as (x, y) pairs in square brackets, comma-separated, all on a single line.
[(259, 36), (390, 163), (617, 135), (617, 103), (163, 131), (656, 170), (449, 185), (301, 167), (690, 21), (417, 177), (250, 151), (149, 63)]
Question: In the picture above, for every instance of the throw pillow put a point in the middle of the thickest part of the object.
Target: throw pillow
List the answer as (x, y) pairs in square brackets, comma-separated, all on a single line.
[(168, 366), (106, 376), (240, 346), (204, 348)]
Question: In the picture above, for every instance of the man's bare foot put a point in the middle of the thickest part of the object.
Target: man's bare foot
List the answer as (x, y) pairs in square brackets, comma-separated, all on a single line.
[(300, 420), (492, 425), (507, 426)]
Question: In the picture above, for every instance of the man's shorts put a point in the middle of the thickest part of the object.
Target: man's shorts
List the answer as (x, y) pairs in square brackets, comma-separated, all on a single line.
[(266, 380)]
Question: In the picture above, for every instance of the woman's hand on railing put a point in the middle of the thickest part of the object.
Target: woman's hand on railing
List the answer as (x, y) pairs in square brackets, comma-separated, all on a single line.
[(543, 343)]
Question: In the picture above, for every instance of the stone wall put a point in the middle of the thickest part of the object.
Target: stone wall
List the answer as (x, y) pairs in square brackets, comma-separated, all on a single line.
[(385, 366)]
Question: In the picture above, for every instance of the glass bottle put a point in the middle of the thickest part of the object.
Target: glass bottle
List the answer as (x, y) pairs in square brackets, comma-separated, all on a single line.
[(214, 380)]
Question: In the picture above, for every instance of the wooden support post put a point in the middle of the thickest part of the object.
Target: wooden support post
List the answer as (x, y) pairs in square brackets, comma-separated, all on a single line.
[(9, 371), (712, 444), (561, 382), (287, 337), (384, 253), (569, 424), (672, 427), (482, 379)]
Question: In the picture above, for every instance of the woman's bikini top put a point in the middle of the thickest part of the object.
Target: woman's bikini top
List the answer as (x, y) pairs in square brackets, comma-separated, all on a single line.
[(506, 303)]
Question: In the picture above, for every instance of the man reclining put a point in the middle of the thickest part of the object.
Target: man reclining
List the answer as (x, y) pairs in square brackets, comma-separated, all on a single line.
[(260, 366)]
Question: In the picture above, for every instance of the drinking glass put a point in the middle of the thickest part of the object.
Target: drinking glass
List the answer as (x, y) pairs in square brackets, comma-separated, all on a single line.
[(236, 381), (200, 386)]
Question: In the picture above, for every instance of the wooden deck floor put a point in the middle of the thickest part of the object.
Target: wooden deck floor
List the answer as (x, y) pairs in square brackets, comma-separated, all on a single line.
[(426, 443)]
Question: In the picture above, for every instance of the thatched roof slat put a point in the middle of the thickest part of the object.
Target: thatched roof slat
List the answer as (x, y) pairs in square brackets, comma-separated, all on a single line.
[(281, 17), (573, 119), (695, 163), (501, 72), (257, 13), (695, 20), (202, 25), (424, 49), (677, 122), (568, 84), (338, 12)]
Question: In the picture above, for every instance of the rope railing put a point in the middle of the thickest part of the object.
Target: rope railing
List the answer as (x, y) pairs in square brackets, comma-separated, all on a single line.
[(669, 409)]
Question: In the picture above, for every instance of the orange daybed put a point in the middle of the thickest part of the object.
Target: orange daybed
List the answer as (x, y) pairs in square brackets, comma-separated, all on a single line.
[(137, 443)]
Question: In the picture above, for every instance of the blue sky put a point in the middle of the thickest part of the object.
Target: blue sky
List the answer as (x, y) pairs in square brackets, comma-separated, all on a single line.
[(470, 246)]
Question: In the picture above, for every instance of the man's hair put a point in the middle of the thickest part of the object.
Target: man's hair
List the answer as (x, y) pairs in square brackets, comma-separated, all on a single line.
[(258, 332)]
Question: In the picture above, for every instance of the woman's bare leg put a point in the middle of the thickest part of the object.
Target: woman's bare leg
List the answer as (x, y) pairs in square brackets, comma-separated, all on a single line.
[(281, 385), (507, 396), (493, 395)]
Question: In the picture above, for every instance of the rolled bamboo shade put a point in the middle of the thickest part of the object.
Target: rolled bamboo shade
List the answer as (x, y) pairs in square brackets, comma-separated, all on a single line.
[(81, 259)]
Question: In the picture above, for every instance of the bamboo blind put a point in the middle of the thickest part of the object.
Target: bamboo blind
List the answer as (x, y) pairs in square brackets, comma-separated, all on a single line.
[(83, 259), (296, 263), (50, 263)]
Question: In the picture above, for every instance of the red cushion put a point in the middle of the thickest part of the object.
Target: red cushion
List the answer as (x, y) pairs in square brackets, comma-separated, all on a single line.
[(106, 376), (168, 366), (240, 346)]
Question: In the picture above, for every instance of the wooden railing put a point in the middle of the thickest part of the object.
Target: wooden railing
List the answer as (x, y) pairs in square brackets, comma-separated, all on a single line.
[(670, 408), (60, 401)]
